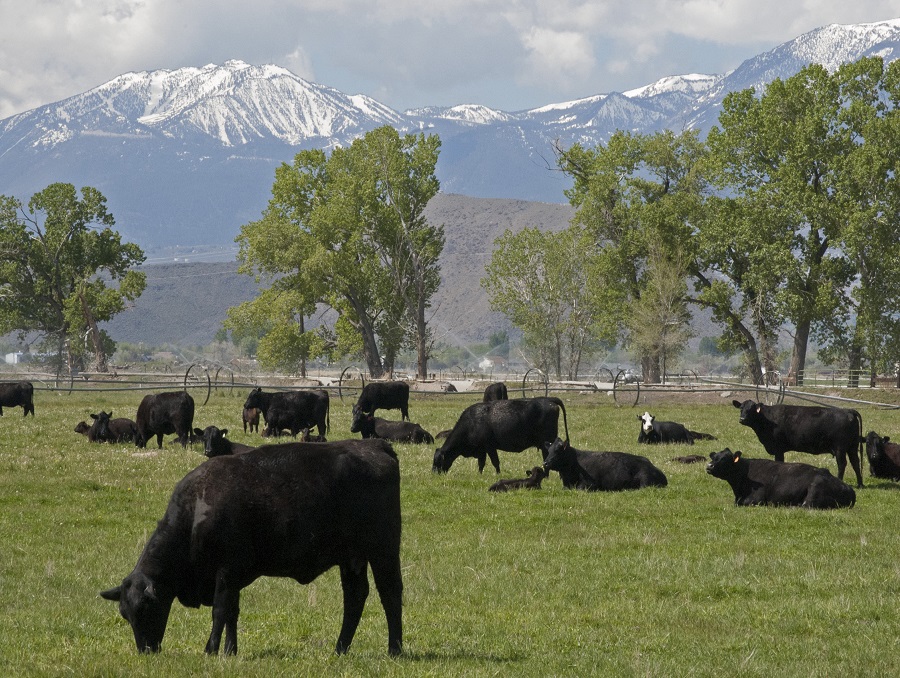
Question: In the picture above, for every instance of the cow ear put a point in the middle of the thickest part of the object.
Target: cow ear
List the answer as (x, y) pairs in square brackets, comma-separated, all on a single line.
[(224, 432), (737, 456), (758, 408), (737, 403), (94, 416), (198, 432), (113, 593), (886, 439)]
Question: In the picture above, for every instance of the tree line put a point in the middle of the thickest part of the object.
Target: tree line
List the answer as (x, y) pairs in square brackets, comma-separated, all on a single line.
[(784, 219)]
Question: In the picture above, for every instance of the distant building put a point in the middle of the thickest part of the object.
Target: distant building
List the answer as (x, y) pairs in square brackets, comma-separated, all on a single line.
[(16, 358)]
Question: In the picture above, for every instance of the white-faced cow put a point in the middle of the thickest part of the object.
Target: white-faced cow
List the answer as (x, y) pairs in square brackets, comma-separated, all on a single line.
[(884, 456), (761, 482), (531, 481), (162, 413), (294, 510), (16, 394), (215, 444), (816, 430), (601, 471), (292, 410), (398, 431), (105, 429), (662, 432), (496, 391), (510, 425), (385, 395)]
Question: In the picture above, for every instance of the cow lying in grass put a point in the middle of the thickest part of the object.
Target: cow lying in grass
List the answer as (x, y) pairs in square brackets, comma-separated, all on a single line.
[(884, 456), (215, 444), (761, 482), (531, 482), (601, 471), (656, 432), (370, 426)]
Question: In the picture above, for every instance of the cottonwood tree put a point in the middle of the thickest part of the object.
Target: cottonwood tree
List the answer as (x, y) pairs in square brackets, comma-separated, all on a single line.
[(547, 284), (346, 230), (64, 270)]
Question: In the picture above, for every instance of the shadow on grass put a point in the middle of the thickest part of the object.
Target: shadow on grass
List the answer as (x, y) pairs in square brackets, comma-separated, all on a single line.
[(290, 654), (886, 485)]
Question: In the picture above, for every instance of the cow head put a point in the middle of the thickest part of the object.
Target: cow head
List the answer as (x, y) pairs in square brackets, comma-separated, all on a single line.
[(723, 464), (100, 428), (557, 454), (143, 606), (82, 427), (360, 418), (646, 422), (751, 411), (537, 474), (254, 399), (213, 438), (875, 447)]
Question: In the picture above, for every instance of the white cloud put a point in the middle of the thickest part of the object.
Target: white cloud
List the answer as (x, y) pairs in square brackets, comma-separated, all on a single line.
[(565, 56)]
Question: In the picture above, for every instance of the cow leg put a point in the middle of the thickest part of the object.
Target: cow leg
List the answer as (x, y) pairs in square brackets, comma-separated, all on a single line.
[(389, 583), (355, 584), (404, 411), (159, 437), (857, 468), (495, 460), (225, 610)]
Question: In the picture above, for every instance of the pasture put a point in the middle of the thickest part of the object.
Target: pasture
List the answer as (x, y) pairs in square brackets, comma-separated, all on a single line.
[(659, 582)]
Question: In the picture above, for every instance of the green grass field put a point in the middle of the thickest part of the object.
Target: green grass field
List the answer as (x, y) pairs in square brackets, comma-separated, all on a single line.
[(661, 582)]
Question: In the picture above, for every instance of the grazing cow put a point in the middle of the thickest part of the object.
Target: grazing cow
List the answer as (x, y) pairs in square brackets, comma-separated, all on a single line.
[(250, 415), (398, 431), (884, 456), (15, 394), (816, 430), (761, 482), (531, 482), (292, 410), (163, 413), (655, 432), (292, 510), (496, 391), (215, 444), (385, 395), (601, 471), (510, 425), (105, 429)]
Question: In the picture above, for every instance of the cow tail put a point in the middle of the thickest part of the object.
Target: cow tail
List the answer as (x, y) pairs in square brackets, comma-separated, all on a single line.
[(562, 406), (328, 415), (860, 440)]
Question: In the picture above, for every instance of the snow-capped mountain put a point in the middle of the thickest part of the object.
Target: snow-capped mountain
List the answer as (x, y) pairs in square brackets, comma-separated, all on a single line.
[(187, 156)]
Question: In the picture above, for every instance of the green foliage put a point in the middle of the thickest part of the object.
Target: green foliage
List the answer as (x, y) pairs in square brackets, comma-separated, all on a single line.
[(59, 256), (547, 284), (348, 231), (669, 582)]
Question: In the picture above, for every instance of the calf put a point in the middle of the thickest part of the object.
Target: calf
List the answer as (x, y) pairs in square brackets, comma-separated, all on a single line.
[(601, 471), (655, 432), (884, 456), (250, 416), (82, 427), (293, 510), (761, 482), (16, 394), (292, 410), (163, 413), (496, 391), (385, 395), (511, 425), (531, 482), (398, 431), (816, 430), (105, 429), (215, 444)]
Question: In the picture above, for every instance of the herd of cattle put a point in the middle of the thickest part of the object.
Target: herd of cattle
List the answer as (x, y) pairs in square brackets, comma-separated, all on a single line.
[(300, 508)]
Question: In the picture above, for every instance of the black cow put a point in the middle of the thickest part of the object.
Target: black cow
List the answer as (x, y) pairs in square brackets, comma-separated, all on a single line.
[(884, 456), (760, 482), (292, 410), (163, 413), (105, 429), (20, 393), (510, 425), (531, 482), (385, 395), (215, 444), (601, 471), (293, 510), (655, 432), (82, 427), (496, 391), (250, 416), (816, 430), (398, 431)]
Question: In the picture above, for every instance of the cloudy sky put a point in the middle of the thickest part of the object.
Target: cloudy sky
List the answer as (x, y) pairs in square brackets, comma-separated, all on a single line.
[(507, 54)]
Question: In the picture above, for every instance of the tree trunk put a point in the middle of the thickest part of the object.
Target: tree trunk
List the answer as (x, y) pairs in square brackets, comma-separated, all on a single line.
[(96, 338), (798, 355), (855, 364), (421, 335), (370, 344)]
